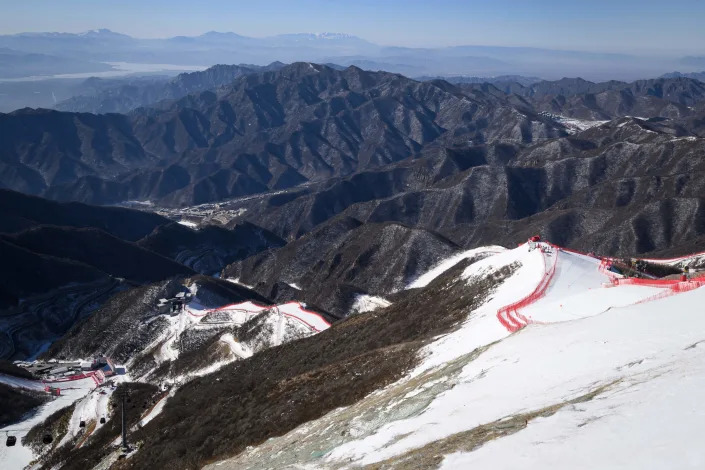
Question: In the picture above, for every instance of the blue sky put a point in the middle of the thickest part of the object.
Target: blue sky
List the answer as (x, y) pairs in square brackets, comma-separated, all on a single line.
[(617, 25)]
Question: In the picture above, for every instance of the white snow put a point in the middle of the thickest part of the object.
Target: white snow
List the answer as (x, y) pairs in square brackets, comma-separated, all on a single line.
[(579, 124), (288, 321), (154, 412), (681, 261), (92, 407), (446, 264), (651, 421), (367, 303), (19, 382), (20, 456), (584, 334), (188, 223), (574, 125), (298, 311), (599, 337), (236, 280), (236, 347)]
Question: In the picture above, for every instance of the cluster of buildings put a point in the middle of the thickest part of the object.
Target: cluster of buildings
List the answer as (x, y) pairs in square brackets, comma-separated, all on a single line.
[(53, 369)]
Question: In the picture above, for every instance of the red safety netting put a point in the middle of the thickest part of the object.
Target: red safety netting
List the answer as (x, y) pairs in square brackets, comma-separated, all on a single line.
[(675, 289), (665, 283), (259, 308), (509, 315), (673, 260), (604, 268), (308, 312), (71, 378)]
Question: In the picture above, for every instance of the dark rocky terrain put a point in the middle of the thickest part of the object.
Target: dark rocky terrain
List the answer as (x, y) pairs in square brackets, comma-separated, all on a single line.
[(344, 259), (282, 387), (119, 328), (61, 261), (352, 168), (626, 187), (303, 123), (211, 247), (696, 75), (671, 97), (270, 130), (500, 79)]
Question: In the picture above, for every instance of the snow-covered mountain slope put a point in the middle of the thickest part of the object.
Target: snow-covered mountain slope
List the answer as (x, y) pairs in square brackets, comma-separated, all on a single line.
[(194, 342), (565, 366), (696, 260), (236, 331), (18, 456)]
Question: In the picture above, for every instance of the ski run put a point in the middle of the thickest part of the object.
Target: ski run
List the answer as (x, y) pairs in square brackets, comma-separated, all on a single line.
[(91, 396), (565, 365)]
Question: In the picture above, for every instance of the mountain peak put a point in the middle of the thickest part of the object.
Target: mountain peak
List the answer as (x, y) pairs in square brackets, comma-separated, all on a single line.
[(97, 32), (218, 34), (324, 36)]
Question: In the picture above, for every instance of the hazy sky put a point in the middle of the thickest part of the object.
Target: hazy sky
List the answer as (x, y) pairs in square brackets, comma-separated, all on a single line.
[(605, 25)]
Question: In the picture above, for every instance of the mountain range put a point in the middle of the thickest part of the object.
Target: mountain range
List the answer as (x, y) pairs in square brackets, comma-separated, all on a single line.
[(332, 234), (94, 49), (343, 169)]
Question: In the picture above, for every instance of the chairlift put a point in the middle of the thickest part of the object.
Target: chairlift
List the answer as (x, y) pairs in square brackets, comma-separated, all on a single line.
[(11, 441), (102, 420), (82, 424), (47, 439)]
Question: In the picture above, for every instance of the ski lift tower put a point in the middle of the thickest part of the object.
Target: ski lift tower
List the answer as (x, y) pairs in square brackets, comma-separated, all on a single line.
[(123, 396)]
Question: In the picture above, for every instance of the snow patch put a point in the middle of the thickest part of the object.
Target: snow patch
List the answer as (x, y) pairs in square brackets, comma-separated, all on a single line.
[(367, 303), (426, 278), (188, 223)]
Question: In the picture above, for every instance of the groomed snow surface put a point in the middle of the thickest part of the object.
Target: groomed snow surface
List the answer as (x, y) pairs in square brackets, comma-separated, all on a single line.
[(291, 318), (644, 361), (19, 456), (287, 320)]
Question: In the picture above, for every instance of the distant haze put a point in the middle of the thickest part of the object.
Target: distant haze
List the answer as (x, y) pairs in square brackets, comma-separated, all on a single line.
[(631, 26), (596, 40)]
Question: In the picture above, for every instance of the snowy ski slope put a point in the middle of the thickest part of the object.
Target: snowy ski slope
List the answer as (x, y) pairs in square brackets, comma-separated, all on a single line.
[(582, 371), (287, 320), (19, 456)]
